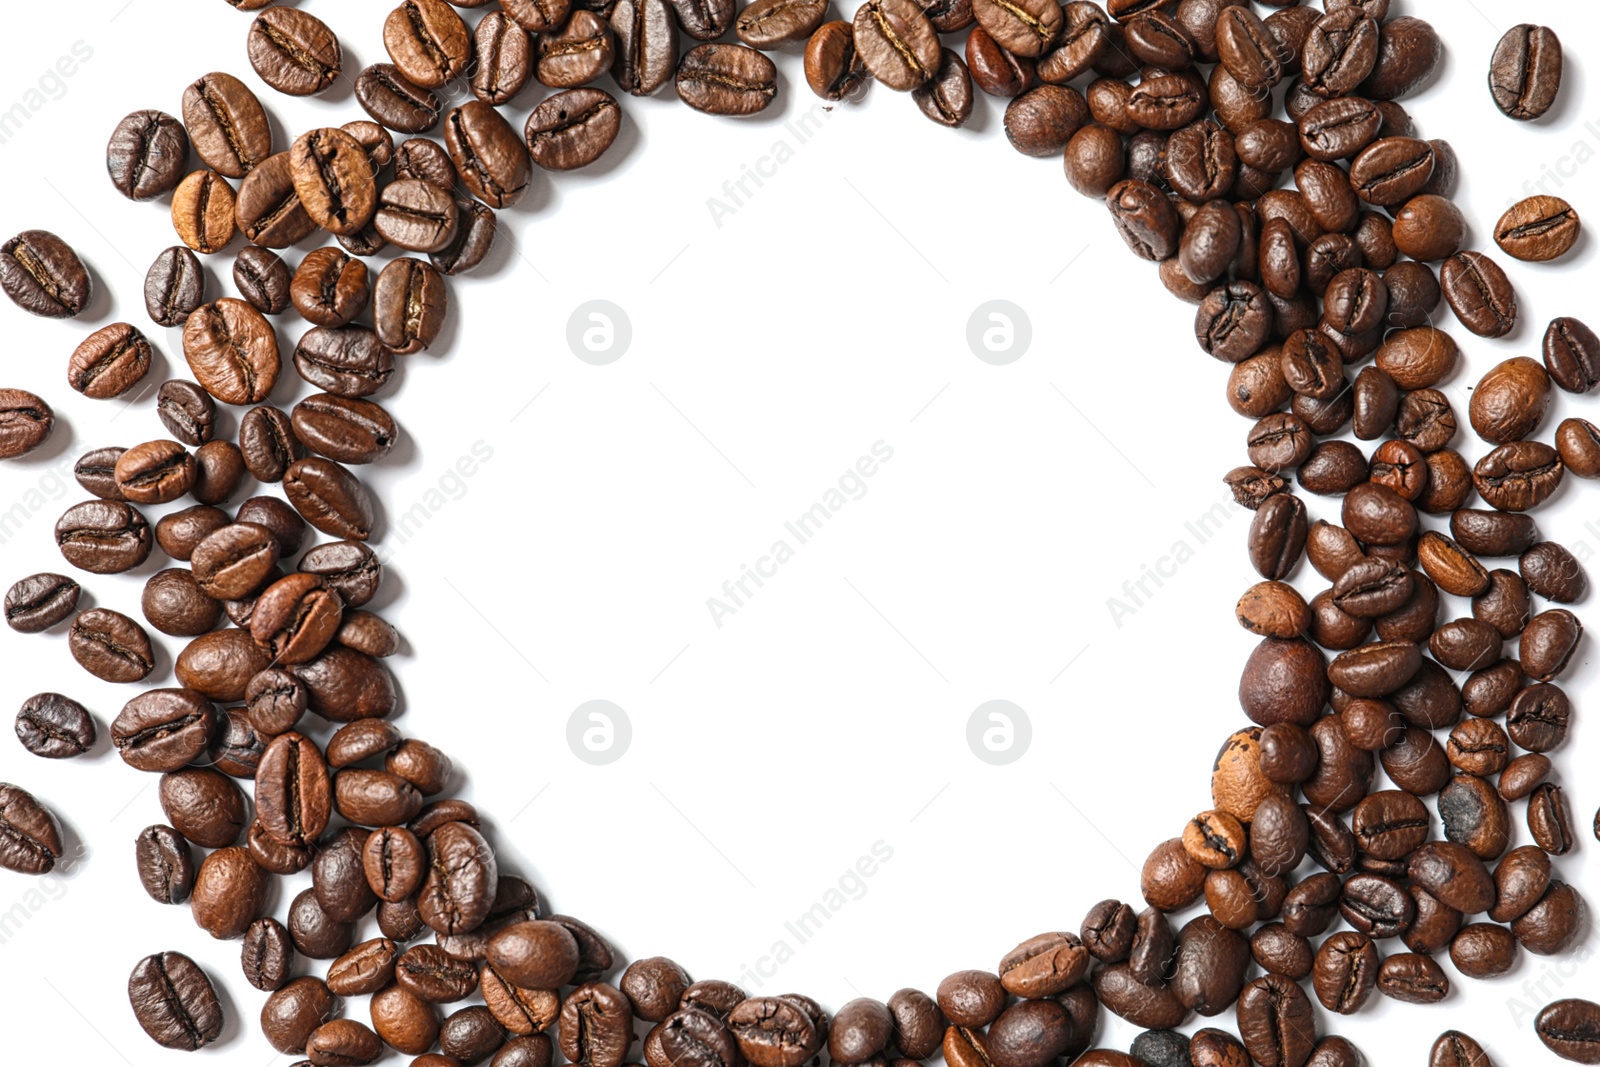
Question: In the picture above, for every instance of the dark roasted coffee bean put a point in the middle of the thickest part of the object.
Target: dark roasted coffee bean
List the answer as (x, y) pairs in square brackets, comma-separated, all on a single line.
[(1142, 1005), (187, 411), (946, 98), (174, 604), (416, 215), (146, 154), (175, 1002), (43, 275), (1571, 1029), (1539, 717), (38, 602), (268, 955), (352, 360), (109, 362), (409, 306), (1346, 972), (1027, 28), (316, 934), (55, 727), (293, 1012), (429, 974), (1548, 642), (262, 279), (166, 866), (1249, 51), (349, 566), (268, 210), (395, 101), (1276, 1023), (1553, 572), (330, 498), (577, 53), (173, 287), (330, 288), (1550, 820), (1525, 71), (203, 805), (155, 472), (111, 646), (1572, 355), (103, 537), (572, 129), (1232, 321), (474, 236), (1413, 978), (1479, 293), (294, 799)]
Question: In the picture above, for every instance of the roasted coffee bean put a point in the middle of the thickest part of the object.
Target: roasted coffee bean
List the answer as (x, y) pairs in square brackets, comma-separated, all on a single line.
[(268, 209), (30, 835), (1539, 716), (317, 934), (416, 215), (232, 351), (349, 566), (861, 1030), (293, 1012), (55, 727), (1523, 774), (504, 59), (1572, 355), (1273, 609), (1548, 642), (235, 560), (262, 279), (900, 47), (1578, 443), (1479, 293), (1571, 1029), (174, 603), (573, 128), (218, 470), (774, 1032), (294, 798), (1027, 29), (1552, 925), (405, 1022), (395, 101), (175, 1002), (111, 646), (704, 20), (474, 236), (25, 422), (577, 53), (36, 603), (833, 67), (109, 362), (268, 955), (343, 1041), (203, 805), (229, 892), (173, 287), (1553, 572), (1413, 978), (428, 973), (409, 304), (1376, 906), (330, 288), (1042, 120), (1550, 820), (155, 472), (352, 360), (329, 497), (1525, 71), (946, 98), (226, 124), (395, 862), (428, 43), (472, 1034), (293, 51), (165, 864), (103, 536), (334, 179), (1145, 219), (1346, 972), (767, 24), (1107, 932), (1518, 476), (1249, 51), (203, 211), (1146, 1006), (1278, 536), (146, 154), (164, 729), (1538, 229), (43, 275)]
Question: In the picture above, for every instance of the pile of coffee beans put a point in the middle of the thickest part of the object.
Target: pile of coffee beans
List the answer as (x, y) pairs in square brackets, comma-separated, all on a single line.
[(1296, 285)]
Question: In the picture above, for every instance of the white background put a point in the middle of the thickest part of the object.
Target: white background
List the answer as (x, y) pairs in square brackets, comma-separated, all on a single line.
[(768, 353)]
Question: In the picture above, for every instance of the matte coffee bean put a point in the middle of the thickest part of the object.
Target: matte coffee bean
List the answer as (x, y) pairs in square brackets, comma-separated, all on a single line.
[(405, 1022), (1345, 973), (43, 276), (352, 360), (155, 472), (1276, 1022), (293, 51), (1548, 642), (329, 497), (175, 1002), (1146, 1006), (1523, 774), (1550, 820), (1107, 932), (768, 24), (267, 957), (1525, 71), (1539, 717), (1553, 572), (103, 536), (572, 129), (262, 279), (1552, 925), (773, 1032)]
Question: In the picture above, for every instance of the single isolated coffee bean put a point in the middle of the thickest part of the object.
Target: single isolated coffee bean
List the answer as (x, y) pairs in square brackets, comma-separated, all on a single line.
[(1538, 229), (43, 275), (1525, 71)]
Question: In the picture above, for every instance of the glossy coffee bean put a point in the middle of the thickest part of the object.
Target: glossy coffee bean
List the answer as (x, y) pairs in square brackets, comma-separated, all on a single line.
[(1525, 71)]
